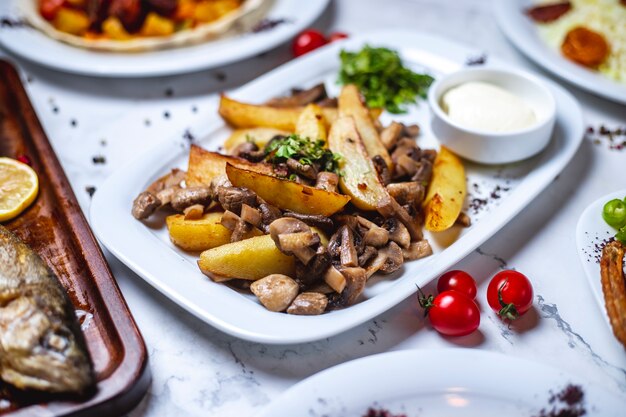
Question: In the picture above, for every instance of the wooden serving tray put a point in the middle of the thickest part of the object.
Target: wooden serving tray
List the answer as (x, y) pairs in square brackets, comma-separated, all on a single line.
[(54, 226)]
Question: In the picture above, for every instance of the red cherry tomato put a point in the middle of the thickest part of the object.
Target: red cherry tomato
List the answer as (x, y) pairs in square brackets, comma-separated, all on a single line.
[(307, 41), (451, 313), (459, 281), (510, 294), (337, 36), (49, 8)]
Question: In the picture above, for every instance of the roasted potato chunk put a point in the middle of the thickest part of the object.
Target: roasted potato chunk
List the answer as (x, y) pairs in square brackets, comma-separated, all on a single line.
[(202, 234), (446, 192), (249, 259), (287, 195), (359, 178), (205, 165), (242, 115), (350, 104), (311, 123)]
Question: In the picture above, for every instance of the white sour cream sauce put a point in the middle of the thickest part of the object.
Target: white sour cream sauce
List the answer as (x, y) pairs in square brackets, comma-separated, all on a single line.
[(487, 107)]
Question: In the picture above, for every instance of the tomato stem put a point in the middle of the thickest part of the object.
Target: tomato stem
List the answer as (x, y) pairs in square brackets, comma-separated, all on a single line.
[(508, 311), (426, 302)]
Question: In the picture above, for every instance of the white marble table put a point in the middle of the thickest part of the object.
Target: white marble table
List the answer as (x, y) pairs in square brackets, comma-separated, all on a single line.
[(198, 371)]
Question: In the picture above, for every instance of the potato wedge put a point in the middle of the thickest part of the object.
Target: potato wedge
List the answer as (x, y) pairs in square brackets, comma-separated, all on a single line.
[(205, 165), (359, 179), (350, 104), (202, 234), (287, 195), (446, 192), (311, 123), (249, 259), (259, 135), (242, 115)]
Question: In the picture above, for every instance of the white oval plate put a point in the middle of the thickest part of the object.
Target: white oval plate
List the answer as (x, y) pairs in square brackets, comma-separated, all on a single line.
[(591, 231), (35, 46), (522, 32), (437, 383), (175, 273)]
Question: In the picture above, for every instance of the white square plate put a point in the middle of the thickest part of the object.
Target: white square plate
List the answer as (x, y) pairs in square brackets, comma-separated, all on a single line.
[(500, 192)]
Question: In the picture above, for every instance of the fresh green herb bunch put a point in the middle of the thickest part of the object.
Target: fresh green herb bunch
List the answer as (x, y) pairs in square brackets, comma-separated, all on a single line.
[(382, 79), (305, 150)]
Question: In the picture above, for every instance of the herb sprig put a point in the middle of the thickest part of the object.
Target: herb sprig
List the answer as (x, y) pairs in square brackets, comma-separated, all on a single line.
[(382, 78), (304, 150)]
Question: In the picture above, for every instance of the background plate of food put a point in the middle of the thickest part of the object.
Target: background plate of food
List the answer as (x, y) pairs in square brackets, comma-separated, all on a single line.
[(495, 193), (601, 249), (443, 382), (136, 38), (581, 41)]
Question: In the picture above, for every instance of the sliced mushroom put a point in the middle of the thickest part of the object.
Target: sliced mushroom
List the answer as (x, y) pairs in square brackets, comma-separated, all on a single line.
[(249, 151), (300, 97), (397, 232), (382, 169), (166, 194), (407, 192), (322, 288), (236, 225), (217, 182), (335, 279), (348, 256), (405, 166), (375, 235), (145, 205), (424, 172), (417, 250), (251, 215), (323, 223), (308, 304), (189, 196), (313, 272), (327, 181), (390, 135), (174, 178), (355, 284), (194, 212), (269, 213), (394, 258), (276, 292), (230, 220), (334, 245), (369, 253), (412, 131), (232, 198), (305, 170), (409, 220), (299, 244)]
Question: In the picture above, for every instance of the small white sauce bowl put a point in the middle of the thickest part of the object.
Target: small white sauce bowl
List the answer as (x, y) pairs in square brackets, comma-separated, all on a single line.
[(494, 147)]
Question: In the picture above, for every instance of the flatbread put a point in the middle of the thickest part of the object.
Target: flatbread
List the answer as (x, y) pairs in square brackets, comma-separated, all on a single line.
[(245, 17)]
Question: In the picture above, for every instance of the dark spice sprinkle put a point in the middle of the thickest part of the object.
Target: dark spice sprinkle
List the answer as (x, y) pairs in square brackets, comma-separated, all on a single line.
[(220, 76), (566, 403), (166, 114), (55, 109), (194, 109), (11, 22), (99, 159), (615, 138), (90, 190), (169, 92), (268, 24), (188, 136), (381, 412), (476, 60), (29, 78), (103, 142), (73, 123), (147, 122)]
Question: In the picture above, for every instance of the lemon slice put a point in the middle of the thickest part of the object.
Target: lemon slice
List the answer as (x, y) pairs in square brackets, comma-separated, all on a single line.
[(18, 188)]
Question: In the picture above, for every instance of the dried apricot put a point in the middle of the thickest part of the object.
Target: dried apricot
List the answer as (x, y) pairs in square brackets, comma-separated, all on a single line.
[(585, 47)]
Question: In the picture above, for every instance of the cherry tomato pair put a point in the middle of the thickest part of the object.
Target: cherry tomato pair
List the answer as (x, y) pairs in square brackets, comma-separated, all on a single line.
[(311, 39), (454, 312)]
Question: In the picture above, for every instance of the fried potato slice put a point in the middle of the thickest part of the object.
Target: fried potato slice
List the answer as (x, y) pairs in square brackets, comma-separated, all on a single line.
[(249, 259), (287, 195), (359, 178), (258, 135), (205, 165), (350, 104), (242, 115), (311, 123), (202, 234), (446, 192)]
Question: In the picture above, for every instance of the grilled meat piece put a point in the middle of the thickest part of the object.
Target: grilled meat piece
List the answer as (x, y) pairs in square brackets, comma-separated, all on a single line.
[(131, 13), (41, 344), (614, 287), (163, 7)]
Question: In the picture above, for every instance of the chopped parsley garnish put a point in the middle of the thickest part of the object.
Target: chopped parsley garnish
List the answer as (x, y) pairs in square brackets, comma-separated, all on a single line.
[(382, 79), (304, 150)]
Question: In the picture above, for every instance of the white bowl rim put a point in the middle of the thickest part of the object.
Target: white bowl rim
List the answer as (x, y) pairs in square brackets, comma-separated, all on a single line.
[(433, 101)]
